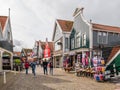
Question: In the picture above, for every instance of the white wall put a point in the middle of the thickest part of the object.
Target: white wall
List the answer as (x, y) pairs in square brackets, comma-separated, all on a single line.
[(1, 37)]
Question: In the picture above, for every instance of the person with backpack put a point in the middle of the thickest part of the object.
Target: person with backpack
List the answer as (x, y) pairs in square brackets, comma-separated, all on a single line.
[(26, 66)]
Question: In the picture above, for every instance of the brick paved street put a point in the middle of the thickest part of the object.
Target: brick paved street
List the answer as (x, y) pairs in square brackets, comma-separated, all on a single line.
[(59, 81)]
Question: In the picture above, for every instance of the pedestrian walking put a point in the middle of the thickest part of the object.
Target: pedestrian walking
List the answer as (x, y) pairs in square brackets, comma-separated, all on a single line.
[(33, 65), (26, 66), (45, 63), (51, 67)]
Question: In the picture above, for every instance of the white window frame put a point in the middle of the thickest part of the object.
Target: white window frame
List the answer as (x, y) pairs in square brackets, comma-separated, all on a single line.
[(57, 47), (84, 37), (66, 43), (78, 39), (72, 43)]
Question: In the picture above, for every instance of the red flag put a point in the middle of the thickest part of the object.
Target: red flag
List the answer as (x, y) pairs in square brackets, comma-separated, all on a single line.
[(47, 51)]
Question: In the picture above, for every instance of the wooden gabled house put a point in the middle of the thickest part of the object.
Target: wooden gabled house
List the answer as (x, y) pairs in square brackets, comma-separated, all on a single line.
[(60, 38), (6, 43), (91, 39)]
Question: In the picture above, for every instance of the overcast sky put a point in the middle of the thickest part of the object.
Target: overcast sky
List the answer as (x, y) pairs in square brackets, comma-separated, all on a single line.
[(34, 19)]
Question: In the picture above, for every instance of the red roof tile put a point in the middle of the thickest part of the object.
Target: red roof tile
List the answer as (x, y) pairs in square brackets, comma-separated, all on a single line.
[(105, 28), (113, 52), (3, 20), (17, 53), (65, 25)]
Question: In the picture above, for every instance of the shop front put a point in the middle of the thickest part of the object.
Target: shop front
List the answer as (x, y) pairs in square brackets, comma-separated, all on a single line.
[(6, 60), (57, 60)]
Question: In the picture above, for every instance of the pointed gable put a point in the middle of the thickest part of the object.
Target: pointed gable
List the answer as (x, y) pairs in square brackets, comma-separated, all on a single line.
[(77, 10), (65, 25), (60, 27), (3, 20)]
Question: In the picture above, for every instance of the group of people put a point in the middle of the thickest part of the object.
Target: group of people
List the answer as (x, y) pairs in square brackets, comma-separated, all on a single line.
[(45, 64)]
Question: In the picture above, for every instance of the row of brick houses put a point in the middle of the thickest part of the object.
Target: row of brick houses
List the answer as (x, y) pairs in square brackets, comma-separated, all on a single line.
[(6, 43), (80, 37)]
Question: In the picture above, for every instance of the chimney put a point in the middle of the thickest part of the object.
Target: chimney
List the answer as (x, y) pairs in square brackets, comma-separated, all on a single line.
[(9, 12)]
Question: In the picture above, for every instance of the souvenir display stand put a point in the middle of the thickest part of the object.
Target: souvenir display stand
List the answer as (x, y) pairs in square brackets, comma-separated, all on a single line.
[(99, 68)]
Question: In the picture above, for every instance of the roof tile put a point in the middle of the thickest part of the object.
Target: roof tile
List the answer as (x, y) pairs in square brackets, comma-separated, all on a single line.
[(3, 20), (65, 25), (106, 28)]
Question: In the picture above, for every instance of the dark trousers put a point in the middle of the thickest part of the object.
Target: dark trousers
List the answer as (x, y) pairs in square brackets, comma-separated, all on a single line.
[(33, 71), (26, 70), (45, 70)]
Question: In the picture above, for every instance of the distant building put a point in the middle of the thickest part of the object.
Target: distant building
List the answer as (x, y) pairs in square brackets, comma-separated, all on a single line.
[(39, 48), (26, 53)]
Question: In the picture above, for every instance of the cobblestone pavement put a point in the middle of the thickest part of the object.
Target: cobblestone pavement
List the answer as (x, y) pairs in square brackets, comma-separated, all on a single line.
[(61, 80)]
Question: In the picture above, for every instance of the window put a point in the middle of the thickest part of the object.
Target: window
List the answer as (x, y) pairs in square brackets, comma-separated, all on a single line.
[(8, 35), (78, 40), (66, 43), (102, 37), (72, 43), (84, 40), (57, 47)]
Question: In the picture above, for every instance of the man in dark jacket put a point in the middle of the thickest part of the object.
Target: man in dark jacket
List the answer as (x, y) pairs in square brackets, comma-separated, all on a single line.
[(45, 63)]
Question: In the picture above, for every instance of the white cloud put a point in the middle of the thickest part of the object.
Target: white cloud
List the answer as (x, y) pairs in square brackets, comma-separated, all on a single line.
[(34, 19)]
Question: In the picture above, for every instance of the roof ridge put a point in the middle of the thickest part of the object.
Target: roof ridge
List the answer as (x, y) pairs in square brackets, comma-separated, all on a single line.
[(64, 20), (106, 25)]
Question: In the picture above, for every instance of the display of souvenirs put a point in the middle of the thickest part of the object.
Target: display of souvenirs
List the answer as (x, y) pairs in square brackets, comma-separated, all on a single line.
[(98, 64), (85, 59)]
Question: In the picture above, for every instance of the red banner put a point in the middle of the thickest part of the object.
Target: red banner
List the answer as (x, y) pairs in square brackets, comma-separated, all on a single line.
[(47, 52)]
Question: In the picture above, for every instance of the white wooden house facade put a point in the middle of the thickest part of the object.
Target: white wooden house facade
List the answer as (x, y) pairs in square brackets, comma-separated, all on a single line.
[(61, 41)]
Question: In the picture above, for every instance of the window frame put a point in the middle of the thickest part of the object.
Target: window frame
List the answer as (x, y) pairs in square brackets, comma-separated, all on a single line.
[(101, 38), (84, 39)]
